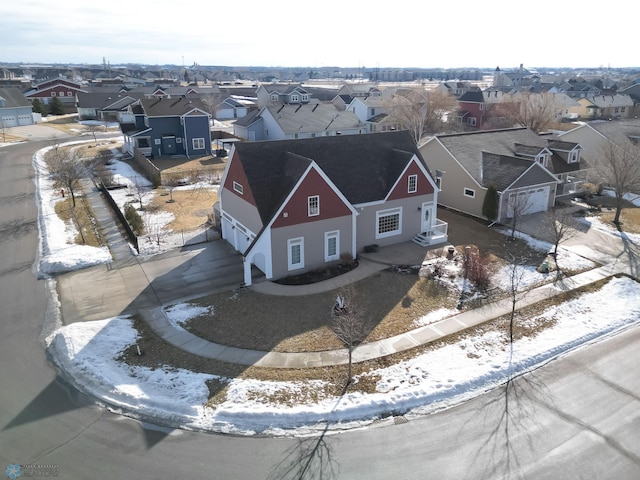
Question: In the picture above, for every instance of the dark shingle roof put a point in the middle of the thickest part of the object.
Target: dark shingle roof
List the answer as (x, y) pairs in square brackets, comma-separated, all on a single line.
[(466, 147), (502, 170), (14, 98), (160, 107), (363, 167)]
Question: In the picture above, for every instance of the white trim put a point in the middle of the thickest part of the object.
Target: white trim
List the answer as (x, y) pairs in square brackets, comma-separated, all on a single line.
[(291, 243), (472, 193), (313, 210), (388, 213), (414, 188), (238, 188), (328, 236)]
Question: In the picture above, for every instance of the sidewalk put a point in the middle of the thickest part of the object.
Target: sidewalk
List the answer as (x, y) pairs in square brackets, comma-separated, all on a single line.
[(177, 336), (120, 249), (369, 264)]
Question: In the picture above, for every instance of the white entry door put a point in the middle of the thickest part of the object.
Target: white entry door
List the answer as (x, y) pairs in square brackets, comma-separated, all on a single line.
[(427, 211)]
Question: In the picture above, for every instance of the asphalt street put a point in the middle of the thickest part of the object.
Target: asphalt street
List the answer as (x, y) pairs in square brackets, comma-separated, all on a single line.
[(576, 417)]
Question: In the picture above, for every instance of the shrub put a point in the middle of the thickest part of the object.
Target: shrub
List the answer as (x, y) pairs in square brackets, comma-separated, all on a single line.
[(479, 270), (134, 219)]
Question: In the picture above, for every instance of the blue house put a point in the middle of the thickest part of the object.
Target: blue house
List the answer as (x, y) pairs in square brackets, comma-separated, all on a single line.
[(15, 109), (168, 126)]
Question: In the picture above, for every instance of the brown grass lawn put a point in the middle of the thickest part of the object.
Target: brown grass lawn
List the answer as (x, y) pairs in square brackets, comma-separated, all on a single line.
[(189, 207)]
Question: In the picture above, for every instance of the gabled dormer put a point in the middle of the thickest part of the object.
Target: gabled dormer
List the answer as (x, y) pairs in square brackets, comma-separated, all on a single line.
[(541, 155), (569, 151)]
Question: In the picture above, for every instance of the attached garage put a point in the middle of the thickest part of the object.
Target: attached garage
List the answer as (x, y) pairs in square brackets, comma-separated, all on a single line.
[(9, 121), (528, 200)]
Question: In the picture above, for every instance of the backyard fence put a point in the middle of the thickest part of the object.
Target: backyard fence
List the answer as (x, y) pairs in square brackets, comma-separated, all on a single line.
[(120, 216)]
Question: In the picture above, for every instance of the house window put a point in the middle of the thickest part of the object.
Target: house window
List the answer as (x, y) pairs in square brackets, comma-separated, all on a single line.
[(305, 98), (295, 249), (468, 192), (53, 94), (294, 98), (313, 206), (574, 156), (472, 121), (439, 183), (198, 143), (68, 94), (157, 141), (331, 244), (237, 187), (413, 184), (623, 109), (178, 139), (388, 222), (274, 97)]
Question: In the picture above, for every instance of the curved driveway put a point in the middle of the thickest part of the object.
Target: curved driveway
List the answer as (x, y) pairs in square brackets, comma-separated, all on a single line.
[(577, 417)]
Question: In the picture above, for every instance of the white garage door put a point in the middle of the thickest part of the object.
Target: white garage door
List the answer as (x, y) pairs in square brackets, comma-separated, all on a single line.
[(9, 122), (25, 119), (529, 201)]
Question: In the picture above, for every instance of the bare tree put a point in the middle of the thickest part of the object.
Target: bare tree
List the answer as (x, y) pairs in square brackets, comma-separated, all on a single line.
[(537, 111), (140, 190), (348, 325), (211, 102), (618, 166), (3, 130), (66, 167), (94, 128), (171, 182), (519, 204), (420, 111), (560, 226)]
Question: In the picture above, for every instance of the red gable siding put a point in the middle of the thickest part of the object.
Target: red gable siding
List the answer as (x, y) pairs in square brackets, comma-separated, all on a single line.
[(331, 205), (236, 174), (401, 190)]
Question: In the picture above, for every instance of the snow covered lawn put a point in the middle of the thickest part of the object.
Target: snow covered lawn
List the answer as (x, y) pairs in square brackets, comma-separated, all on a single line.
[(426, 383)]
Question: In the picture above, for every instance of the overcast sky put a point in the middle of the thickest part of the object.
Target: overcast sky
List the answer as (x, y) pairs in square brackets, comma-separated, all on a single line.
[(343, 33)]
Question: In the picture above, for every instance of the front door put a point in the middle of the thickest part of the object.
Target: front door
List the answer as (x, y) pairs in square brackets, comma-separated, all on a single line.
[(426, 217)]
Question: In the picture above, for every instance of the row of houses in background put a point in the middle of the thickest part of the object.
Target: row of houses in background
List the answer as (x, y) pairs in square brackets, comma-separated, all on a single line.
[(304, 186)]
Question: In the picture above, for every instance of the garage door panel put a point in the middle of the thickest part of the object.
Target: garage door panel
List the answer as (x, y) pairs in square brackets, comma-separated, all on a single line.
[(9, 121), (534, 200)]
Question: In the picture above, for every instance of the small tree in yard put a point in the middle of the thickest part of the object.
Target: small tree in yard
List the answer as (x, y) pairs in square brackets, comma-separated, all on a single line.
[(56, 107), (518, 206), (490, 203), (348, 325), (561, 226), (619, 167), (66, 167), (140, 190)]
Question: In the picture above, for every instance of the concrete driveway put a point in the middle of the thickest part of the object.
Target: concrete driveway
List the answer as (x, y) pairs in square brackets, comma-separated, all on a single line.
[(36, 132)]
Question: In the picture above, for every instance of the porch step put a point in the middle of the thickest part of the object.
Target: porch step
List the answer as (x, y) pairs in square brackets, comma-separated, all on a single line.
[(424, 239)]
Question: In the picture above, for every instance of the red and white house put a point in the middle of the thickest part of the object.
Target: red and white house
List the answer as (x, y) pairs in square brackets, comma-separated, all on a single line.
[(292, 206), (64, 90)]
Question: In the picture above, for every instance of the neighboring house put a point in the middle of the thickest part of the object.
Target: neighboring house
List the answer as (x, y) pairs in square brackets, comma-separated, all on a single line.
[(605, 107), (233, 107), (455, 87), (516, 160), (359, 90), (15, 109), (290, 122), (105, 106), (295, 206), (513, 78), (472, 109), (593, 136), (64, 90), (372, 112), (277, 93), (168, 126)]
